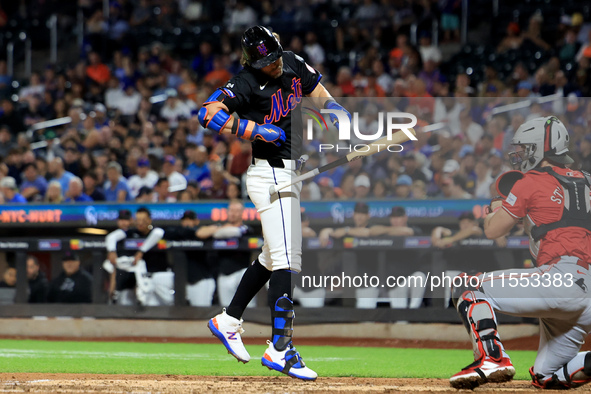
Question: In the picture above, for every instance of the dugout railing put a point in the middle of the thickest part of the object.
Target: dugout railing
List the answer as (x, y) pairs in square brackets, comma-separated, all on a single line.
[(93, 253)]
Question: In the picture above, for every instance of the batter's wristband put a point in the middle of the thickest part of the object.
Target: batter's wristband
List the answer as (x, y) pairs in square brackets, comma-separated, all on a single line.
[(245, 128), (235, 126)]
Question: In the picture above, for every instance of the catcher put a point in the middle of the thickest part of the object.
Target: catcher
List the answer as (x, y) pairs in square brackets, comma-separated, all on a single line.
[(553, 200)]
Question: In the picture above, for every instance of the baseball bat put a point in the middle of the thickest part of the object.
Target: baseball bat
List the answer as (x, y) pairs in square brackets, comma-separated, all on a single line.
[(374, 147)]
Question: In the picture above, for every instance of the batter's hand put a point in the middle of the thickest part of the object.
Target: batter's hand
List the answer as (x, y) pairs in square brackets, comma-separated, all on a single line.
[(269, 133), (495, 204), (331, 104)]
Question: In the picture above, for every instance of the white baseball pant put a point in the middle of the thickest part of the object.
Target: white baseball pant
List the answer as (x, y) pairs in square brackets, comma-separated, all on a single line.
[(280, 215)]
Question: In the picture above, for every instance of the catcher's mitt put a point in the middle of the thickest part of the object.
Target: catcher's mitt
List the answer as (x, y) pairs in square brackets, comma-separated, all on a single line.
[(494, 205)]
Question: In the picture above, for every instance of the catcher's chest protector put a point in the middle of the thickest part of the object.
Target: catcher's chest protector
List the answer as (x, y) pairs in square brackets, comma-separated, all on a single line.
[(576, 211)]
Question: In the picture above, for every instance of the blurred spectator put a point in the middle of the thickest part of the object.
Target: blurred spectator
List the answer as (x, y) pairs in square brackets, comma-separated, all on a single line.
[(97, 70), (145, 177), (496, 164), (411, 168), (174, 108), (161, 191), (54, 193), (34, 87), (8, 278), (585, 150), (362, 186), (512, 40), (9, 191), (6, 143), (403, 187), (38, 283), (198, 168), (34, 186), (91, 188), (176, 180), (116, 188), (455, 187), (59, 174), (219, 75), (73, 285), (419, 190), (483, 180), (75, 192), (429, 52), (203, 62), (11, 117), (242, 16), (313, 49)]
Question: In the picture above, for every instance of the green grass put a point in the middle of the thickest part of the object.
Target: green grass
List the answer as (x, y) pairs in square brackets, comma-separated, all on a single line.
[(192, 359)]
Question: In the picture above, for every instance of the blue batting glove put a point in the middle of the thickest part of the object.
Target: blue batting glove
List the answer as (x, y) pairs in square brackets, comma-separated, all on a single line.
[(269, 133), (249, 130), (331, 104)]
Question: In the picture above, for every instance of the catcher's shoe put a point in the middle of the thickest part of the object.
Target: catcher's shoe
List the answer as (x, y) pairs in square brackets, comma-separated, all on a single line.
[(228, 329), (483, 370), (288, 362)]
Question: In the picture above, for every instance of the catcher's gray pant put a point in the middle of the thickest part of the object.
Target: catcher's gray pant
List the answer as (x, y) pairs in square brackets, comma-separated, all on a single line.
[(558, 295)]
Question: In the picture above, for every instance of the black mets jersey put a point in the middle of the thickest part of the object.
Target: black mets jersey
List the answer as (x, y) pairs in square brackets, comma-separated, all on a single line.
[(262, 99)]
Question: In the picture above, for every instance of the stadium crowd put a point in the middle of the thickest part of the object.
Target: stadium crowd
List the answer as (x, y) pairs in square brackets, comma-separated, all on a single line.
[(134, 133)]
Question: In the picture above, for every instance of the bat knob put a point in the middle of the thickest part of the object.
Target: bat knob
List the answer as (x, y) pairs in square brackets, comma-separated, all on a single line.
[(272, 190)]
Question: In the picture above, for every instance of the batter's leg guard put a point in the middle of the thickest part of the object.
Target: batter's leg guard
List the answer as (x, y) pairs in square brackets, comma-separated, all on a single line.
[(281, 355), (283, 316), (575, 373)]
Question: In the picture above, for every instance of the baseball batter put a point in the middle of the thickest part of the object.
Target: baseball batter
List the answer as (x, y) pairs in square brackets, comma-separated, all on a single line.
[(265, 95), (554, 200)]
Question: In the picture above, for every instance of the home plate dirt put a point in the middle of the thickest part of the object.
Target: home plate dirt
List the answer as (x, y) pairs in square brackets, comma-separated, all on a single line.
[(90, 383)]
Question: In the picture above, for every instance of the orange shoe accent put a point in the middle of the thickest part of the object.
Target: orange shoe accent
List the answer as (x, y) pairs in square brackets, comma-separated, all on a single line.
[(266, 356), (215, 323)]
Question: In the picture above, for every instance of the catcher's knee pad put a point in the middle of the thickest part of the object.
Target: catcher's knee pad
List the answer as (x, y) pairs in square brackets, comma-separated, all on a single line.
[(469, 282), (283, 316), (480, 321)]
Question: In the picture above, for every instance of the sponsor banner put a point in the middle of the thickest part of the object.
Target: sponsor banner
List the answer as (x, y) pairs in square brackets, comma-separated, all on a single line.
[(417, 242), (226, 243), (328, 211), (14, 245), (50, 244)]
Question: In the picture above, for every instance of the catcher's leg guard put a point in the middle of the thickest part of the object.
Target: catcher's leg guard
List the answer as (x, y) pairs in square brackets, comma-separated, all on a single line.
[(283, 316), (575, 373), (480, 321)]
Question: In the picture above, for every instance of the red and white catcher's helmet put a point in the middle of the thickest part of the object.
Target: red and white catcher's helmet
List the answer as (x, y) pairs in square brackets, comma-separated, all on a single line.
[(544, 137)]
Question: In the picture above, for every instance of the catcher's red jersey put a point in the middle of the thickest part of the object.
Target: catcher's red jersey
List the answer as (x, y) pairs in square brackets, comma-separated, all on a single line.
[(540, 196)]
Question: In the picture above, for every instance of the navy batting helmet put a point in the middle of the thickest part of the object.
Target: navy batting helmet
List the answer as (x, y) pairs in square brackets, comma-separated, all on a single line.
[(260, 47)]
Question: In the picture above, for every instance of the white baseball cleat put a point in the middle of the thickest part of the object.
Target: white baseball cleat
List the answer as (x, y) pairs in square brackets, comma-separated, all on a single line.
[(483, 370), (228, 329), (288, 362)]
